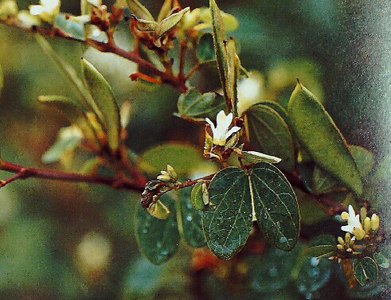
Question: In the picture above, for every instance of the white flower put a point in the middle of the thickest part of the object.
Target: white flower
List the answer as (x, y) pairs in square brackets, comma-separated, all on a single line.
[(353, 220), (46, 10), (354, 225), (222, 132)]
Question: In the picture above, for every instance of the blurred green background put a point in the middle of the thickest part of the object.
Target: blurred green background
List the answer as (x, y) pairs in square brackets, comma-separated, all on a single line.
[(65, 241)]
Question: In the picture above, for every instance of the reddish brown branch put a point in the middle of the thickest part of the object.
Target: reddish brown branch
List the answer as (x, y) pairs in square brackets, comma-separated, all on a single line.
[(22, 172), (111, 47)]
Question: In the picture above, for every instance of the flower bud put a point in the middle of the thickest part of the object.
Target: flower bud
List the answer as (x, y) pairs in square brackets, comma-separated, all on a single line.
[(359, 233), (341, 241), (348, 238), (375, 222), (345, 216), (340, 247), (367, 224), (363, 213), (172, 173)]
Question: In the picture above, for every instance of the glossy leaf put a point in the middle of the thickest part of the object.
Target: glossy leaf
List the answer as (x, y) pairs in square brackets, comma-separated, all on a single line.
[(205, 48), (70, 26), (227, 221), (218, 39), (171, 21), (275, 206), (191, 220), (321, 138), (196, 197), (181, 157), (72, 111), (365, 270), (104, 98), (196, 105), (140, 10), (268, 133), (322, 181), (158, 239), (313, 275)]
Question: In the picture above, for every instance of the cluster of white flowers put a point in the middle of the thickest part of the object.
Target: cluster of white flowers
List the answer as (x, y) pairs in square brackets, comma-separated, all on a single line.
[(355, 227), (222, 131)]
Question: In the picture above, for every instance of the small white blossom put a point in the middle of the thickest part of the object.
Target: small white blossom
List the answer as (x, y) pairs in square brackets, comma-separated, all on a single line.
[(353, 221), (222, 131), (354, 225)]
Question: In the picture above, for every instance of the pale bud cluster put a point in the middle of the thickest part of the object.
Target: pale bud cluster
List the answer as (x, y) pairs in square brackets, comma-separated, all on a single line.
[(169, 175)]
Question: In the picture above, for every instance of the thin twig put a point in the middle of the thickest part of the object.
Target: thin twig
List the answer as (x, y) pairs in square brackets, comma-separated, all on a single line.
[(105, 47), (22, 172)]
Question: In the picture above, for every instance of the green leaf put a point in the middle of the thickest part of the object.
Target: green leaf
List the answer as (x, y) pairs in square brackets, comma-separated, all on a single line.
[(363, 158), (205, 48), (275, 206), (196, 197), (321, 138), (313, 275), (323, 182), (365, 270), (192, 227), (183, 158), (158, 239), (140, 10), (306, 171), (145, 25), (72, 111), (322, 245), (218, 39), (69, 26), (381, 260), (66, 142), (68, 71), (268, 133), (196, 105), (227, 221), (171, 21), (320, 251), (278, 108), (104, 98)]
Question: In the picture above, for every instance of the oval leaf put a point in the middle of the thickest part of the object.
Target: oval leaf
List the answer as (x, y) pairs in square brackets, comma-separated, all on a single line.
[(269, 133), (191, 219), (227, 221), (275, 205), (71, 27), (364, 159), (365, 270), (166, 24), (381, 260), (196, 105), (321, 138), (218, 39), (104, 98), (158, 239)]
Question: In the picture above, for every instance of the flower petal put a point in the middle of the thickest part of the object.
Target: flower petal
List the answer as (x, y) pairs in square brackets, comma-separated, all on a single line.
[(211, 124), (347, 228), (232, 131)]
